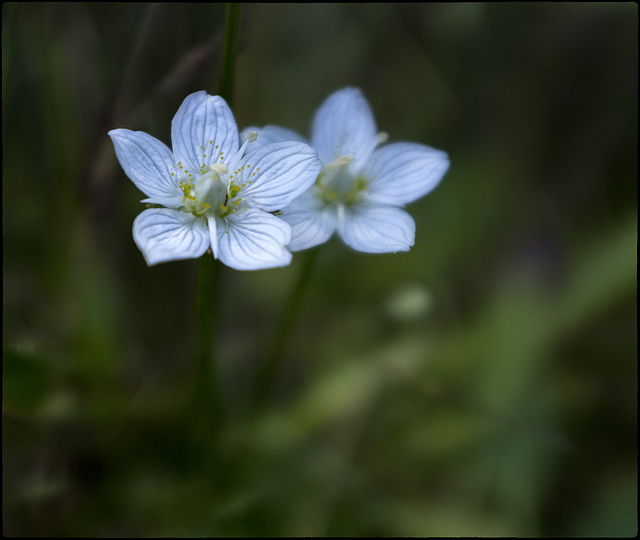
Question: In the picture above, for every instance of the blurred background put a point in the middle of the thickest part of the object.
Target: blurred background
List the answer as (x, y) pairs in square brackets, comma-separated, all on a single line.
[(482, 384)]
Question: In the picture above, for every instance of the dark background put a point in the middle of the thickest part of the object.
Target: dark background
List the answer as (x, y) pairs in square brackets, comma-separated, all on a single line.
[(484, 383)]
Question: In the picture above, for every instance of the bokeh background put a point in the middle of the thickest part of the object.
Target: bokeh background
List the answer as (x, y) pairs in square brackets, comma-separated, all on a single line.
[(482, 384)]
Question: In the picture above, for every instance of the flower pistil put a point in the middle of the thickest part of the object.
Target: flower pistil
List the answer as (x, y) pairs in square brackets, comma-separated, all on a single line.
[(336, 183)]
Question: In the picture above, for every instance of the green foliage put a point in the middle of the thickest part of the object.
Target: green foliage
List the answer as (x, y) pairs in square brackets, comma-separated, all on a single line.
[(482, 384)]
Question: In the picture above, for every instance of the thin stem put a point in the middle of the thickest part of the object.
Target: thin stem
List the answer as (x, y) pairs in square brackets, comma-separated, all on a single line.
[(268, 371), (230, 46), (206, 294), (206, 317)]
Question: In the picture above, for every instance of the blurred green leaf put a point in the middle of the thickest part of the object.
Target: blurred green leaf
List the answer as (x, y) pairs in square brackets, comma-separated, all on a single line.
[(26, 380)]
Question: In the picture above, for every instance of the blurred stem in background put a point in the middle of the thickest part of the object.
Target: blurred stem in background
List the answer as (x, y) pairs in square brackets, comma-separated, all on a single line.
[(268, 371), (206, 294), (227, 70)]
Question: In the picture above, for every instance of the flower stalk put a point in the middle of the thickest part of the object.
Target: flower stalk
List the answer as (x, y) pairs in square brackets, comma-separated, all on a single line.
[(230, 47), (208, 272), (269, 369)]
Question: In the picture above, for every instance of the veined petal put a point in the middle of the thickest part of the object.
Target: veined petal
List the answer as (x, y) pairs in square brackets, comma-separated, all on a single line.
[(202, 129), (403, 172), (254, 240), (277, 173), (272, 134), (377, 229), (312, 222), (344, 125), (146, 161), (164, 235)]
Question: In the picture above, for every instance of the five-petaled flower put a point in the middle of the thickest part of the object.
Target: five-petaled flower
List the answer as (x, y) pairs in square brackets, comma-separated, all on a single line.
[(362, 185), (210, 192)]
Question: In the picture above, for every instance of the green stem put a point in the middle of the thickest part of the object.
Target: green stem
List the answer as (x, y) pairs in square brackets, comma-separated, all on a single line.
[(206, 315), (227, 70), (206, 293), (268, 371)]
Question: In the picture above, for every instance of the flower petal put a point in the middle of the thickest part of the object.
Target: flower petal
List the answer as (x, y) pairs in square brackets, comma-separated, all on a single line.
[(254, 240), (312, 222), (164, 235), (404, 172), (271, 134), (277, 173), (147, 162), (377, 229), (344, 126), (202, 130)]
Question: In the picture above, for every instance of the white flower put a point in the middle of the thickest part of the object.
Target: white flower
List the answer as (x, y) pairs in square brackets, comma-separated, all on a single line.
[(210, 192), (362, 186)]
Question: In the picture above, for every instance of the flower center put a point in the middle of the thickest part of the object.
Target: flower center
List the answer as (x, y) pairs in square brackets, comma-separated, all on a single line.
[(337, 184), (207, 192), (213, 193)]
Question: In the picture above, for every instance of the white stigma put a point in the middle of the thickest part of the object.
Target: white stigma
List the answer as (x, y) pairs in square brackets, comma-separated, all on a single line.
[(210, 188)]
